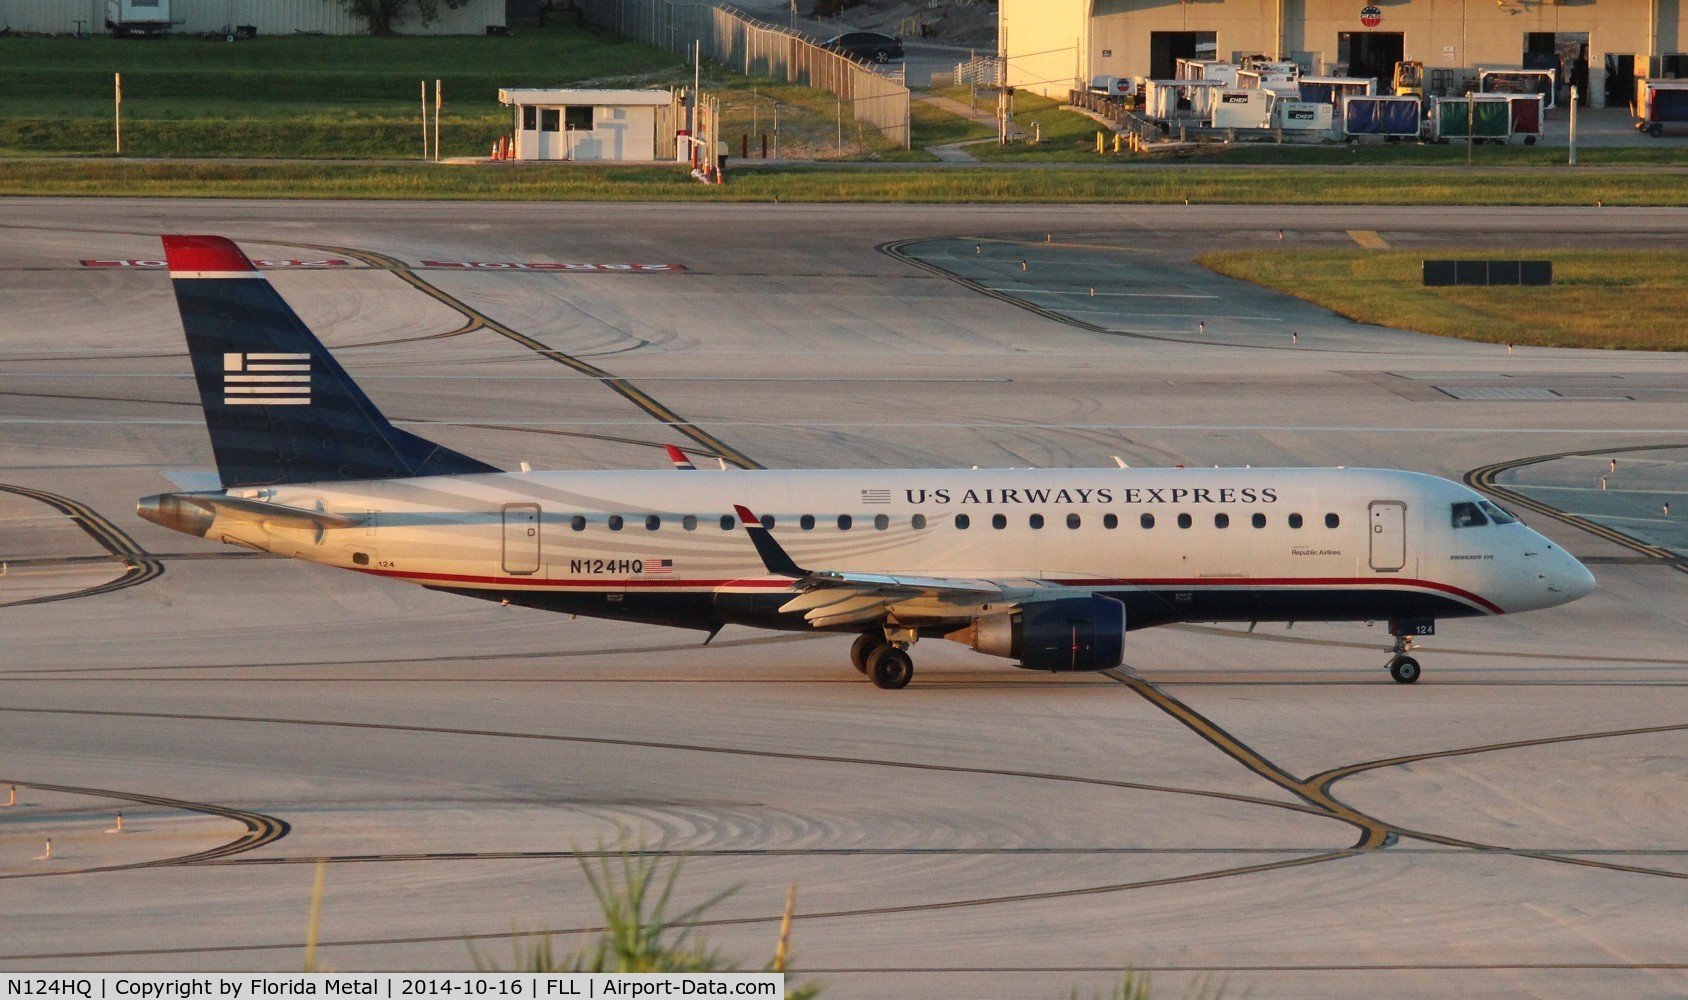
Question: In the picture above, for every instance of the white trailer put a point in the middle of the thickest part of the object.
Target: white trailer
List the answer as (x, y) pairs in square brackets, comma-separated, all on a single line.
[(137, 17), (1303, 116), (1243, 109)]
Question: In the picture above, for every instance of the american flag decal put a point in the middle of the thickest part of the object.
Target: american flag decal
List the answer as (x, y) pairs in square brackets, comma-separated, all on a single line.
[(267, 379), (876, 496), (658, 566)]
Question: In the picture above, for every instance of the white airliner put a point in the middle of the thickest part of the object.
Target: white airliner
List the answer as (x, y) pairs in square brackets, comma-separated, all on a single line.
[(1048, 567)]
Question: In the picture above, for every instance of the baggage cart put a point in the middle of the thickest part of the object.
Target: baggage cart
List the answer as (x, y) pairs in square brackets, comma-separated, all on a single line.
[(1390, 117)]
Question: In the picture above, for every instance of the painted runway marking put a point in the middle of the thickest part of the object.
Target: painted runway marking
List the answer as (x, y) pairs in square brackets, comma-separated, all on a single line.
[(482, 265), (1101, 295)]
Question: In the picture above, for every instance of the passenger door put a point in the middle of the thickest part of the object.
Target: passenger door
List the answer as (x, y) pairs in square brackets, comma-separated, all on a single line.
[(1388, 535), (521, 538)]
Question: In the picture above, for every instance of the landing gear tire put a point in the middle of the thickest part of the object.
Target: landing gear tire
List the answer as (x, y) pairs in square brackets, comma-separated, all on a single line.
[(1404, 669), (863, 649), (890, 668)]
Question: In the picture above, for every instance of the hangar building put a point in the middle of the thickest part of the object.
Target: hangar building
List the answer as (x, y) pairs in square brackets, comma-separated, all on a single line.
[(1050, 46)]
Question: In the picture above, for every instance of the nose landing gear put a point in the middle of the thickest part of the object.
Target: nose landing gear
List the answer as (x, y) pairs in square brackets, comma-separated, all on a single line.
[(1401, 666)]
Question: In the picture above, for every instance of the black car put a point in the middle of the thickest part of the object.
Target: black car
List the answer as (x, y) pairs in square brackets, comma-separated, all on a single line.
[(865, 45)]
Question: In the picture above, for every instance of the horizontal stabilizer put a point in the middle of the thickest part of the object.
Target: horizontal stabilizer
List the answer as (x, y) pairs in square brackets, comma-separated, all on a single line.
[(194, 480), (258, 510)]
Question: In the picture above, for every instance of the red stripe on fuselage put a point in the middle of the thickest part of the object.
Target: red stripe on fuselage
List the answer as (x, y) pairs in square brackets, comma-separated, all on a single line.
[(1275, 583)]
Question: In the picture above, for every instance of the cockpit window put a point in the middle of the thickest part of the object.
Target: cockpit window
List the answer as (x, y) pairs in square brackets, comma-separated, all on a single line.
[(1467, 515), (1497, 513)]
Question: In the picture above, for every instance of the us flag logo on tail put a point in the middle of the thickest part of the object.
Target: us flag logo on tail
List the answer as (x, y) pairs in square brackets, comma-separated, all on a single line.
[(267, 379), (658, 566)]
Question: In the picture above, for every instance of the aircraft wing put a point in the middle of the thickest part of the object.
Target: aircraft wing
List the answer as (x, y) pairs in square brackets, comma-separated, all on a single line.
[(829, 598), (258, 510)]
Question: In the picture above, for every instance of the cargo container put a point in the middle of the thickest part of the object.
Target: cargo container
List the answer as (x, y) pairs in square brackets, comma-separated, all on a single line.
[(1527, 116), (1279, 82), (1393, 118), (1519, 81), (1302, 116), (1222, 73), (1198, 96), (1160, 99), (1332, 89), (1113, 86), (1661, 104), (1482, 119), (1242, 108)]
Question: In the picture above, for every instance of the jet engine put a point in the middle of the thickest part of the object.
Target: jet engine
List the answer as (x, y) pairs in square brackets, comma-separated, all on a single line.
[(1071, 633)]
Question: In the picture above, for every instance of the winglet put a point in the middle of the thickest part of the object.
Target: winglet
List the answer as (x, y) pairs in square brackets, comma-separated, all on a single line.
[(679, 458), (206, 257), (774, 556)]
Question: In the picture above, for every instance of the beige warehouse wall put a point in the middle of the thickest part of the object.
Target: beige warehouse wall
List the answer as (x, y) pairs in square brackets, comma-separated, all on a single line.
[(1045, 44), (1456, 34)]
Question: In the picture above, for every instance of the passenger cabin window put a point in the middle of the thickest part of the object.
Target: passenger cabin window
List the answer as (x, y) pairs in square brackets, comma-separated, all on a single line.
[(881, 522), (1295, 520), (1072, 521), (844, 522), (577, 522), (917, 522), (1110, 521), (806, 522), (652, 522), (1259, 520), (1468, 515), (689, 522), (1036, 521), (768, 521), (1184, 521), (962, 521), (998, 521), (1221, 520), (1331, 520), (1147, 520), (615, 522), (1497, 513), (726, 522)]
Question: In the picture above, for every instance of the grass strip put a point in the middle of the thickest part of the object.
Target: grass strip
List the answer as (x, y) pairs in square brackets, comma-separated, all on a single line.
[(560, 181), (1615, 299)]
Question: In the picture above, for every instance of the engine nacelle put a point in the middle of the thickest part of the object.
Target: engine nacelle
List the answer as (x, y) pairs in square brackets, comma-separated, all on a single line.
[(1073, 633)]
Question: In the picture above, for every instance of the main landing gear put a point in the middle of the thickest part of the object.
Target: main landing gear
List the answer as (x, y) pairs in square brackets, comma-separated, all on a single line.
[(884, 660)]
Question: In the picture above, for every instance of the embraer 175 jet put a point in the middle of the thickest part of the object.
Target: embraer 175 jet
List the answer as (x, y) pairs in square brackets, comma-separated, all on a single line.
[(1048, 567)]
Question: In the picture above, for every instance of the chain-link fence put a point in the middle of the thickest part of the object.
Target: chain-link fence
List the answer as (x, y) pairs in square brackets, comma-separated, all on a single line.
[(984, 71), (756, 48)]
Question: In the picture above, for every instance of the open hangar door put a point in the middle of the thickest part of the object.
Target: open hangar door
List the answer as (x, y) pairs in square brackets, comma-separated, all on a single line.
[(1373, 54)]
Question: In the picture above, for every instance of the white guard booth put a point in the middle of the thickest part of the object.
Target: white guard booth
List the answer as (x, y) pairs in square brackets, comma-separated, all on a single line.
[(587, 124)]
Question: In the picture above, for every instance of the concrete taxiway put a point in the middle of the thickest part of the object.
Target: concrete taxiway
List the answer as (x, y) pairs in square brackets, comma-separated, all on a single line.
[(1266, 808)]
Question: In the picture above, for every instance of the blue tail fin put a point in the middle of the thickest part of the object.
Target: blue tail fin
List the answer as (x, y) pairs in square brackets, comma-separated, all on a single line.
[(280, 409)]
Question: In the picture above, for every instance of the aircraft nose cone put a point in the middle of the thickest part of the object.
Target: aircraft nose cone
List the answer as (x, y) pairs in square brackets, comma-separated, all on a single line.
[(1579, 581)]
